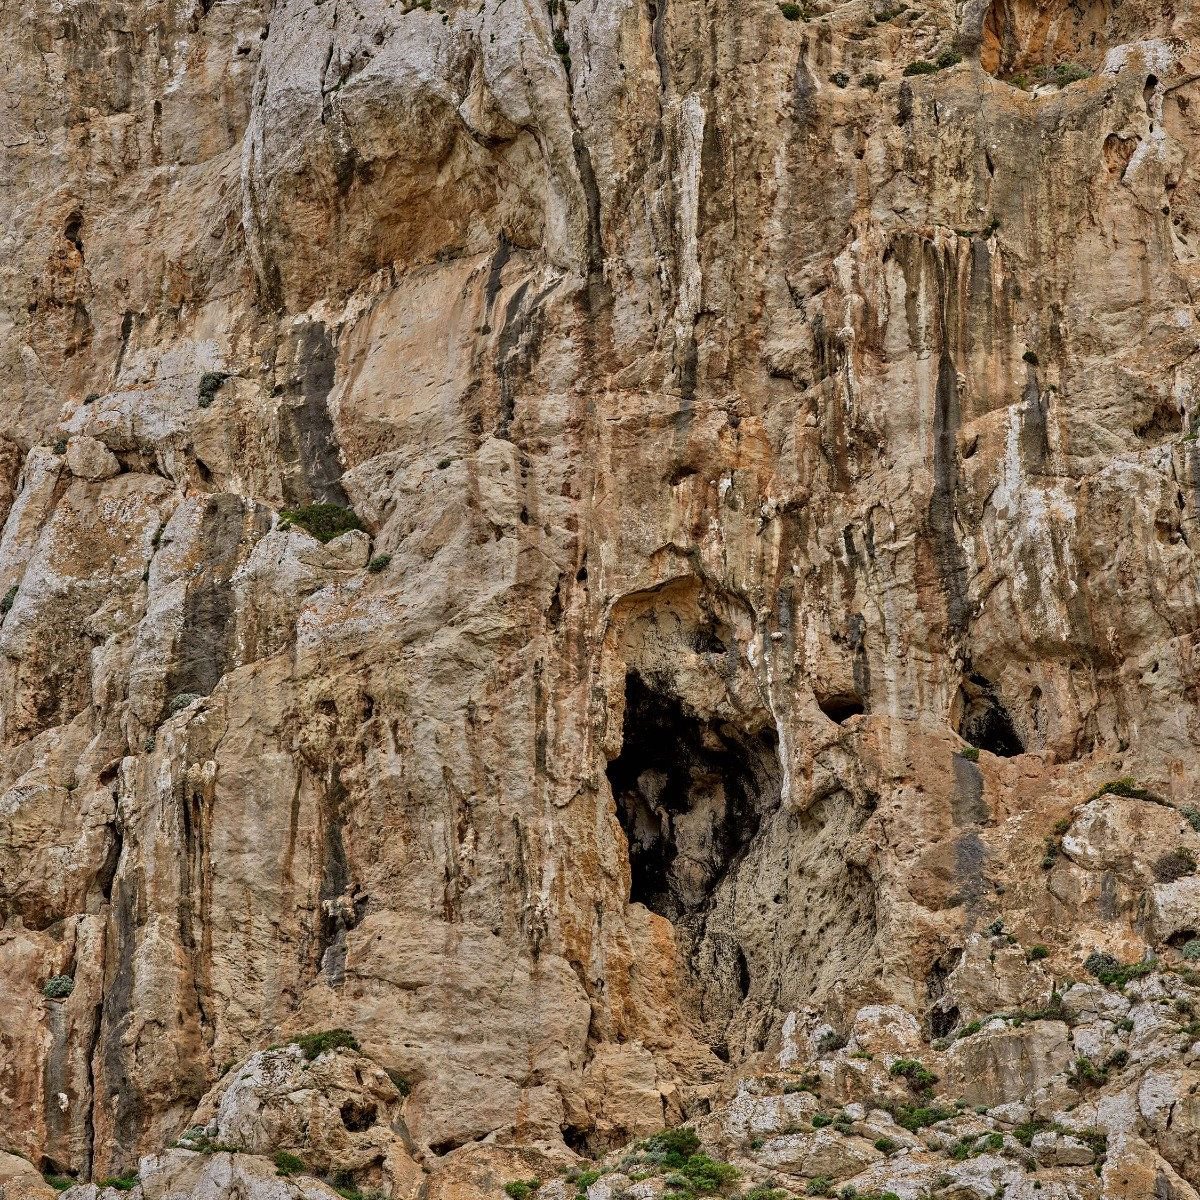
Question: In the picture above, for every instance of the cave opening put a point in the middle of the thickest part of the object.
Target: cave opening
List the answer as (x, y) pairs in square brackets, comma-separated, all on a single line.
[(985, 722), (690, 793)]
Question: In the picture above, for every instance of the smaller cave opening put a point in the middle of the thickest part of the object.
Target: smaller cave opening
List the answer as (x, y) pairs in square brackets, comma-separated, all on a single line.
[(943, 1020), (690, 794), (984, 721), (1181, 937), (358, 1116), (841, 706)]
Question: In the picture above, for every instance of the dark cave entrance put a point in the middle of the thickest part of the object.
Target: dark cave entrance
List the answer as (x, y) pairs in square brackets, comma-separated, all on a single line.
[(690, 795), (985, 722)]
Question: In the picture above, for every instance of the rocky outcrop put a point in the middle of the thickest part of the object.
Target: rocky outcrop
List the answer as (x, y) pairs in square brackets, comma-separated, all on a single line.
[(601, 549)]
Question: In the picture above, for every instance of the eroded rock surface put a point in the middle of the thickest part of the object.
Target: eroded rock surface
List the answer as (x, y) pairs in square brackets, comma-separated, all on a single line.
[(733, 419)]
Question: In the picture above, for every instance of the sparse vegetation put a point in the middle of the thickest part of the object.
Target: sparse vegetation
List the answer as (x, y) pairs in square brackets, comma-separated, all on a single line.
[(59, 1183), (9, 599), (1191, 950), (521, 1189), (840, 79), (1175, 864), (1037, 952), (121, 1183), (920, 67), (830, 1041), (885, 1145), (379, 563), (314, 1044), (1191, 814), (287, 1163), (947, 58), (58, 987), (1126, 787), (180, 701), (914, 1117), (1063, 74), (914, 1073), (791, 12), (870, 80), (1112, 973), (210, 385), (819, 1185), (323, 521), (1086, 1073)]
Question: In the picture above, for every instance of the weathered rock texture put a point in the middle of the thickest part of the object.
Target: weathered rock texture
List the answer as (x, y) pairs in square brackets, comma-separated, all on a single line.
[(739, 426)]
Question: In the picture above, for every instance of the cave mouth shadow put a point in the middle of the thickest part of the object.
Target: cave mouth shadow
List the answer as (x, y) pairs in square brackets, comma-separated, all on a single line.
[(691, 793)]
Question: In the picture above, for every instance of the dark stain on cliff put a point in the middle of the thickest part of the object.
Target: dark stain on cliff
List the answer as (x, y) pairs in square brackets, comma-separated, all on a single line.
[(947, 547), (307, 442), (206, 646)]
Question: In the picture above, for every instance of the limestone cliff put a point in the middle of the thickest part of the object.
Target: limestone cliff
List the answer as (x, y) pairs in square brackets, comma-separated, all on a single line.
[(631, 557)]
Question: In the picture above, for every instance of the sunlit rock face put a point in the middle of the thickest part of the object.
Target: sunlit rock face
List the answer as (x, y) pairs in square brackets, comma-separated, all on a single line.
[(723, 422)]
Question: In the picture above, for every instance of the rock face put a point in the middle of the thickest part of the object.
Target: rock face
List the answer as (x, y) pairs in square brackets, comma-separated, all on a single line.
[(513, 517)]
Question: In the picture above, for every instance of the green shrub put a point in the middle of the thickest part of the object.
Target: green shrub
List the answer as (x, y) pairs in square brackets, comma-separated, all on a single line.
[(443, 463), (947, 58), (1064, 74), (399, 1081), (1085, 1072), (287, 1163), (60, 447), (990, 1143), (885, 1145), (870, 80), (672, 1147), (323, 521), (210, 385), (914, 1117), (791, 11), (702, 1176), (830, 1041), (820, 1120), (58, 987), (1027, 1130), (764, 1192), (1126, 787), (1116, 1060), (1192, 816), (840, 79), (314, 1044), (522, 1189), (59, 1183), (121, 1183), (920, 67), (970, 753), (819, 1185), (1049, 854), (1037, 952), (180, 702), (917, 1075), (380, 562), (9, 599), (91, 398), (1191, 950)]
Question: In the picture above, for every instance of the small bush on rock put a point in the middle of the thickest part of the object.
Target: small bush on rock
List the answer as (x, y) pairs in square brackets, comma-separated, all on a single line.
[(791, 12), (287, 1163), (121, 1183), (314, 1044), (920, 67), (58, 987), (1191, 950), (1175, 864), (916, 1074), (323, 521), (210, 385)]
